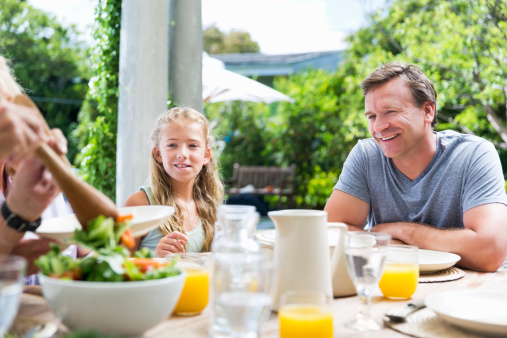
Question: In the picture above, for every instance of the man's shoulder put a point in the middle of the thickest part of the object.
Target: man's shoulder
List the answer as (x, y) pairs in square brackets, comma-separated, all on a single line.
[(451, 138), (452, 135)]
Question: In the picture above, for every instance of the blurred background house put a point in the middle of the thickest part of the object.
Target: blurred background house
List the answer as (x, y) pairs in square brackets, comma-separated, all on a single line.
[(264, 68)]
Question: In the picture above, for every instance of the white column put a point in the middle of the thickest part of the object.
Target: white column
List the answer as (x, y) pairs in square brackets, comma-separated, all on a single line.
[(185, 53), (144, 54)]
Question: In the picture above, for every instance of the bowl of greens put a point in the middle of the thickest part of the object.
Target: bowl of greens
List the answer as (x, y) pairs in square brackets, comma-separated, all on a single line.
[(108, 290)]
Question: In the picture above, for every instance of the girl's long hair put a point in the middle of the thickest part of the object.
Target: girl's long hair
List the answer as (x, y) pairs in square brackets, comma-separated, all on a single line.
[(208, 190)]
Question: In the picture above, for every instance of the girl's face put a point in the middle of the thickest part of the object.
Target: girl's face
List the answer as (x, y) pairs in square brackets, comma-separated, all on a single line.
[(182, 150)]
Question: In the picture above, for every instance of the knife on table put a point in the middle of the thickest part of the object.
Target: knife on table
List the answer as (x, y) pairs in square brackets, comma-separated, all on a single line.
[(399, 315)]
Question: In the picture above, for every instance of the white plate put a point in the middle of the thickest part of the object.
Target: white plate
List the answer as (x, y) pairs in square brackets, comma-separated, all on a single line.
[(146, 218), (480, 311), (267, 237), (430, 260)]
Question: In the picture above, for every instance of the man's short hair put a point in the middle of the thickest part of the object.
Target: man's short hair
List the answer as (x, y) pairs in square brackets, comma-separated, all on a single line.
[(420, 86)]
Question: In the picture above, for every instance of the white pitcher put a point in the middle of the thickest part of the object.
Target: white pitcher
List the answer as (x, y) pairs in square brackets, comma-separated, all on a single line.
[(303, 254), (342, 283)]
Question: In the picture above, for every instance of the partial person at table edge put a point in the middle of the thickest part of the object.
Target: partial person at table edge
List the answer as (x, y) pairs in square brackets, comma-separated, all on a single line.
[(28, 191), (441, 191)]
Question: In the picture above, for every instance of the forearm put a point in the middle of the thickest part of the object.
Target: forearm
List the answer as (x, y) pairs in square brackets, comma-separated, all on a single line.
[(351, 227), (477, 251), (9, 237)]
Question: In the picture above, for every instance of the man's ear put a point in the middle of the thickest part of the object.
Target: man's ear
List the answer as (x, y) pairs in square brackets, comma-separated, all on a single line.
[(207, 156), (156, 154), (429, 111)]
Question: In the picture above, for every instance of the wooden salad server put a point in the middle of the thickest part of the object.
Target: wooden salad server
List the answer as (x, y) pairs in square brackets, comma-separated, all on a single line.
[(87, 202)]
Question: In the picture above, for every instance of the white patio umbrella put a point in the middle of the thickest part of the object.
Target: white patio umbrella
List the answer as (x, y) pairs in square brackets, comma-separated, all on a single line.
[(220, 84)]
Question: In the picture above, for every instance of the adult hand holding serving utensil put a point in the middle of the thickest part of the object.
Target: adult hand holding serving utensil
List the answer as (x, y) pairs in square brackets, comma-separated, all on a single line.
[(32, 189), (86, 201)]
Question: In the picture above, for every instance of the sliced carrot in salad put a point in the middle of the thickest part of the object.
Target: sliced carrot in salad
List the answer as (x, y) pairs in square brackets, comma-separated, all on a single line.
[(123, 218), (128, 239), (145, 264)]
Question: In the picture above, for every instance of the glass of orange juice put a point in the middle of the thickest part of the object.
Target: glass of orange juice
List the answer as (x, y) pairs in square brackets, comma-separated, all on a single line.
[(305, 314), (195, 294), (401, 272)]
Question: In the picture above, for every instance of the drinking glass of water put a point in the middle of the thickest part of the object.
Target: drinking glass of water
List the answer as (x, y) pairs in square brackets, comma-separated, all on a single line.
[(242, 300), (366, 254), (12, 278)]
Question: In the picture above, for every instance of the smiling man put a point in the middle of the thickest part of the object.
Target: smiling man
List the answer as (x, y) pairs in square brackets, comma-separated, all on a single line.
[(441, 191)]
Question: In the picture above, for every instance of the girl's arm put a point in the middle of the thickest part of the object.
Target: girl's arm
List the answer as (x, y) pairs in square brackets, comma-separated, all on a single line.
[(138, 198)]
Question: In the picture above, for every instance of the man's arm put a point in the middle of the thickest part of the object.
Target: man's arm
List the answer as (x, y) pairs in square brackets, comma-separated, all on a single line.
[(348, 209), (482, 244)]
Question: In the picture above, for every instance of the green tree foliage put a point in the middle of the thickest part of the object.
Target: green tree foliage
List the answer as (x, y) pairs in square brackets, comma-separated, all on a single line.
[(461, 46), (315, 133), (240, 126), (218, 42), (98, 119), (48, 60)]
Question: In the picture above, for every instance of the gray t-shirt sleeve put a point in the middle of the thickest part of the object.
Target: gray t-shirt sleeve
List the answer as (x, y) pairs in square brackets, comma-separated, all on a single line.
[(484, 182), (353, 178)]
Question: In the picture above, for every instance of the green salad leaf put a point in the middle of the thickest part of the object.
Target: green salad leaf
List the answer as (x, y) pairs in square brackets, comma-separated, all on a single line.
[(144, 253), (102, 233), (54, 263), (108, 262)]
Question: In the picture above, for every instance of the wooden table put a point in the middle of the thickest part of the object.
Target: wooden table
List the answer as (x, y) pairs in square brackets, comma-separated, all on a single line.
[(35, 307)]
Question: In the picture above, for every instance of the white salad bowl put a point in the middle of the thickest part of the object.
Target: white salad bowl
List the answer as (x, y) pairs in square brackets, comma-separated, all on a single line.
[(116, 308)]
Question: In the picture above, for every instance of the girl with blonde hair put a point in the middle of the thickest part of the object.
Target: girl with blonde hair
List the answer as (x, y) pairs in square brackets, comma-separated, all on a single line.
[(184, 175)]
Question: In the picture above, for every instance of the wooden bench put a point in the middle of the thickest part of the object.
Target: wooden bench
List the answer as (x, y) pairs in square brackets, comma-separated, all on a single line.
[(260, 180)]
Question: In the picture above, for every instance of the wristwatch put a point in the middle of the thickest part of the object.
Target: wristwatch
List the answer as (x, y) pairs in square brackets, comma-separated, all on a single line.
[(17, 222)]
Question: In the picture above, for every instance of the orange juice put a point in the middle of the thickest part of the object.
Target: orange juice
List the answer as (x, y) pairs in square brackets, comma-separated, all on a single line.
[(194, 296), (305, 321), (399, 280)]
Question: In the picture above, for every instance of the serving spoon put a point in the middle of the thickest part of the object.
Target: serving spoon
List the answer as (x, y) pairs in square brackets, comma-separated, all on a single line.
[(86, 201)]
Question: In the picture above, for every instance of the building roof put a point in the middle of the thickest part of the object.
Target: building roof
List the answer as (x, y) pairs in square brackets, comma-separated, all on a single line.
[(257, 64)]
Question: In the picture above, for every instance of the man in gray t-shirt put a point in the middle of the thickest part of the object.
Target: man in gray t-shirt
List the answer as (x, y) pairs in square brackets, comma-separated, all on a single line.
[(441, 191)]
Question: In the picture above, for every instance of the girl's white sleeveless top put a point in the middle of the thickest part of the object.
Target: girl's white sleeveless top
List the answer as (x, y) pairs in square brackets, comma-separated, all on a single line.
[(195, 237)]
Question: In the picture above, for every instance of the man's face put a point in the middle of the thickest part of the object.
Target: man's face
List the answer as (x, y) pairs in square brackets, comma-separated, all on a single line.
[(395, 123)]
